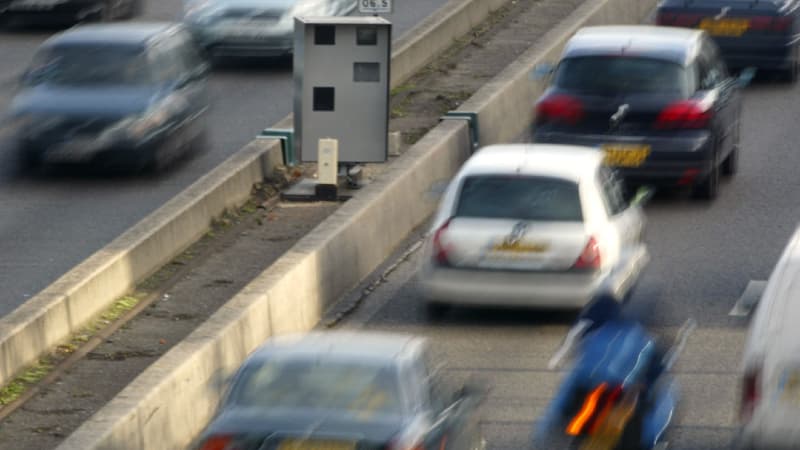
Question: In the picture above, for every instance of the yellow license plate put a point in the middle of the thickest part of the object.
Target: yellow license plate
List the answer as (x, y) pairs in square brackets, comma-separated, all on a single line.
[(725, 27), (520, 247), (300, 444), (625, 155)]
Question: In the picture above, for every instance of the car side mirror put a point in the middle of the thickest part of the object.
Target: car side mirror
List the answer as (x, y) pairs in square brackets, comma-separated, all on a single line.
[(542, 71), (746, 77), (642, 196)]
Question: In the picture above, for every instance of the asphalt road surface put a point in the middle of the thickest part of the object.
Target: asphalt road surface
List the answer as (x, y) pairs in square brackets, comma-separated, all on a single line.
[(703, 257), (50, 224)]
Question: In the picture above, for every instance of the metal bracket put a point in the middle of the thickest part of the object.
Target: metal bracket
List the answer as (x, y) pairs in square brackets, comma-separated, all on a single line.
[(286, 137), (472, 119)]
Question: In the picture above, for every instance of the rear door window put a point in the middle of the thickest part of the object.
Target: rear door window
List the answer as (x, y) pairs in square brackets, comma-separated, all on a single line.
[(614, 75), (520, 198)]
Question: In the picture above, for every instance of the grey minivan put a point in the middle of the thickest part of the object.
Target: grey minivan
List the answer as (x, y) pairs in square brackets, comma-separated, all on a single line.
[(129, 95)]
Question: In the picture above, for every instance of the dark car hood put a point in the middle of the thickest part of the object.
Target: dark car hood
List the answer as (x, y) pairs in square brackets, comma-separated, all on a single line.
[(285, 422), (113, 101)]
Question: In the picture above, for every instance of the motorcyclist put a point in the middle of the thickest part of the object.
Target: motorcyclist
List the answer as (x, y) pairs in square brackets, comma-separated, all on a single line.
[(603, 309)]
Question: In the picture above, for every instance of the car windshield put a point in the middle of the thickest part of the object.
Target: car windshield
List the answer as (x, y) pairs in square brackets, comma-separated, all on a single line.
[(519, 197), (296, 383), (81, 66), (621, 75)]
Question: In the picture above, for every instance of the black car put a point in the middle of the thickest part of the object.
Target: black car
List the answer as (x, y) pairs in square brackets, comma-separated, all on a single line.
[(657, 100), (344, 391), (67, 11), (758, 33), (127, 95)]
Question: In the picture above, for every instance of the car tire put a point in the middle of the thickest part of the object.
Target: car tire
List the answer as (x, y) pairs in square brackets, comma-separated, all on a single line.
[(435, 311), (731, 164), (709, 187)]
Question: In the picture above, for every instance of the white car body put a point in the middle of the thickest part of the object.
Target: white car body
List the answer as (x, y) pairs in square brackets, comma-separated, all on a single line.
[(488, 263), (771, 361)]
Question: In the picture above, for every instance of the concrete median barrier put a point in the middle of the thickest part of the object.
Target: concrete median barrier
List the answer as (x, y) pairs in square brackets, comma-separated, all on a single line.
[(81, 294), (173, 399)]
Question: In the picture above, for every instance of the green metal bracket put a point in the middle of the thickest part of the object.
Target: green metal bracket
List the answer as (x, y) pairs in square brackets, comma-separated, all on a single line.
[(471, 118), (286, 137)]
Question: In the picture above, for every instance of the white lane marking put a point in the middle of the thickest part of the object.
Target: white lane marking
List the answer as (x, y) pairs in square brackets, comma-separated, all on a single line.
[(749, 298)]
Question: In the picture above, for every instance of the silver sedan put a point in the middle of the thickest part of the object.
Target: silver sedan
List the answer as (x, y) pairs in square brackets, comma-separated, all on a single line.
[(253, 28), (532, 225)]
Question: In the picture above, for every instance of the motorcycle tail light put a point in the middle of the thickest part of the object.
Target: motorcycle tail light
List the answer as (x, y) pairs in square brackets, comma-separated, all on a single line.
[(611, 401), (587, 411)]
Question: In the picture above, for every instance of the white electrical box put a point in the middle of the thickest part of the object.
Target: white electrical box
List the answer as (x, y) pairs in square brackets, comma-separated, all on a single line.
[(328, 161)]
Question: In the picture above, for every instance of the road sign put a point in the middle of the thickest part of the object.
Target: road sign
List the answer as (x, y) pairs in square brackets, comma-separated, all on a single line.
[(375, 6)]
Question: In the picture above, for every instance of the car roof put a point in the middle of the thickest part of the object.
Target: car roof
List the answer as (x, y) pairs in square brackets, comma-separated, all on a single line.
[(569, 162), (673, 44), (368, 346), (133, 34)]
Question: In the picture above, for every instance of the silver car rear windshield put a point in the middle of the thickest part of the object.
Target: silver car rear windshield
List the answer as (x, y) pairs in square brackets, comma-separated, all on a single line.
[(82, 65), (613, 75), (306, 383), (520, 198)]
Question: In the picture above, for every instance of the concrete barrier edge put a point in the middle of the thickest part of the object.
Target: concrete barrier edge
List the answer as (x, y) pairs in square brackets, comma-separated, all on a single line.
[(174, 398)]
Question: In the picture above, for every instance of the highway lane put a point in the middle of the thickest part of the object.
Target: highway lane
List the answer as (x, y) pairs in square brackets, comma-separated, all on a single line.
[(50, 224), (702, 259)]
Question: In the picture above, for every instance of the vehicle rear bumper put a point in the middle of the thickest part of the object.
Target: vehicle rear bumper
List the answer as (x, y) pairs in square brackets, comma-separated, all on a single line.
[(765, 53), (497, 288), (675, 160)]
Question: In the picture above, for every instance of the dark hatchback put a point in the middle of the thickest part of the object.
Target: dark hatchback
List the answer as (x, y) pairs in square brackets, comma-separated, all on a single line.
[(657, 100), (344, 390), (129, 95), (66, 11), (758, 33)]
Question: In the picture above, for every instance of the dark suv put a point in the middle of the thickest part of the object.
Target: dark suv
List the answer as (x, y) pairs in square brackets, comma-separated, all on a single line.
[(755, 33), (657, 100), (128, 94)]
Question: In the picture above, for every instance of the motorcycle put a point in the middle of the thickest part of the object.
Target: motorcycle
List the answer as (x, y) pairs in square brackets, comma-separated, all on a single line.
[(619, 393)]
